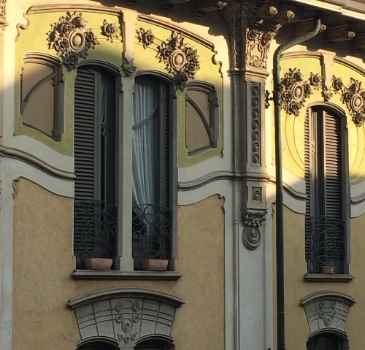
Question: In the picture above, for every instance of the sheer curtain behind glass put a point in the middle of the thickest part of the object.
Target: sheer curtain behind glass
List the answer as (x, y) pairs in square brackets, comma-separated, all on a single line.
[(145, 153)]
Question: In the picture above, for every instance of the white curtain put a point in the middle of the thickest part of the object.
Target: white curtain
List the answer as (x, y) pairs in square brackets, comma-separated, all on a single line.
[(144, 150)]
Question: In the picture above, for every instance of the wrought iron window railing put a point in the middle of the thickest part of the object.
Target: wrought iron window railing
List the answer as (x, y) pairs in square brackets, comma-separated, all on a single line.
[(151, 232), (326, 243), (95, 228)]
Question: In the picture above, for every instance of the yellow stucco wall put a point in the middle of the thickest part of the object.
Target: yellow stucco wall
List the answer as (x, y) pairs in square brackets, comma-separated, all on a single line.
[(297, 329), (43, 261)]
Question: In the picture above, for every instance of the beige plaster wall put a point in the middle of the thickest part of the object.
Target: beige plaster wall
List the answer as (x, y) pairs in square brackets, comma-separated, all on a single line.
[(297, 330), (43, 261)]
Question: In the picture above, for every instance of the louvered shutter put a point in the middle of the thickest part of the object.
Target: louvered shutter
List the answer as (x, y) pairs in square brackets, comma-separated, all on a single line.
[(85, 158), (307, 176), (333, 189)]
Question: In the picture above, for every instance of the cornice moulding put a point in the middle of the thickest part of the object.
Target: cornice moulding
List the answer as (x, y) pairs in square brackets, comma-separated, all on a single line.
[(74, 7)]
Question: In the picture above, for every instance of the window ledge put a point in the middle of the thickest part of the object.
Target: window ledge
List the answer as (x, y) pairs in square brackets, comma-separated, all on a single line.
[(322, 277), (125, 275)]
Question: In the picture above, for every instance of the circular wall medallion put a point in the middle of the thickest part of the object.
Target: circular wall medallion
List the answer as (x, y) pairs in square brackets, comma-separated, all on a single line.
[(178, 59), (298, 91), (357, 102), (77, 40)]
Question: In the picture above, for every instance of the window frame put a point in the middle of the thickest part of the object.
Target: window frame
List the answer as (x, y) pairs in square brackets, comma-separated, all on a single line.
[(311, 203), (123, 262)]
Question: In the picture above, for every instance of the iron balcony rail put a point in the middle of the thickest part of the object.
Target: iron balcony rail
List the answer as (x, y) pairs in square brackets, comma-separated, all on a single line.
[(151, 232), (326, 243), (95, 229), (95, 232)]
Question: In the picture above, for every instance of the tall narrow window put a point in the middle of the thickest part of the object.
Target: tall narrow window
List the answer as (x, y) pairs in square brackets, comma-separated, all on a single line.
[(326, 174), (151, 170), (94, 151)]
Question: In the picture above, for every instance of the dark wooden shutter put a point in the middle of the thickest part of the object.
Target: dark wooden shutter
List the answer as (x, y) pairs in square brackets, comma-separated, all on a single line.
[(333, 174), (307, 178), (85, 157)]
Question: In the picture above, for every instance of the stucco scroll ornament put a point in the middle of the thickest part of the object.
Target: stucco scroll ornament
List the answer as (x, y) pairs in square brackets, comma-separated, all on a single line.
[(251, 235), (145, 37), (180, 59), (127, 317), (110, 30), (327, 313), (71, 39), (353, 96)]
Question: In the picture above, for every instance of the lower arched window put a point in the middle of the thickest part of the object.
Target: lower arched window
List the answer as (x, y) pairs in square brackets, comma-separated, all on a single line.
[(327, 341)]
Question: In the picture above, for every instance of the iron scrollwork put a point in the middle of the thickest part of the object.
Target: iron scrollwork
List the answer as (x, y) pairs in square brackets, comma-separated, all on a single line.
[(70, 38), (251, 235), (180, 59), (353, 96)]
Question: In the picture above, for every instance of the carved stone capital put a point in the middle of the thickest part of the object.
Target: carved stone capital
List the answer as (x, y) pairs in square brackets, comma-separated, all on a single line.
[(258, 45), (128, 66), (70, 38), (3, 22), (252, 221)]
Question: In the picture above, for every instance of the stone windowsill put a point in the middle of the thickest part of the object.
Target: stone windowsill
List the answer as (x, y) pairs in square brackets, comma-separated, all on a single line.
[(125, 275), (325, 277)]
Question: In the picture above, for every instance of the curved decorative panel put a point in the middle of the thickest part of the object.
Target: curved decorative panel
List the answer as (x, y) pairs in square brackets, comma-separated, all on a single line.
[(125, 315), (327, 311)]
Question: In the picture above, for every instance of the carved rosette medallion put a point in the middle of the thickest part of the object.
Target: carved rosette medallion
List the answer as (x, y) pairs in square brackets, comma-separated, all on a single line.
[(353, 96), (110, 30), (295, 90), (327, 311), (70, 38), (127, 316), (180, 59), (256, 128), (252, 220), (145, 37)]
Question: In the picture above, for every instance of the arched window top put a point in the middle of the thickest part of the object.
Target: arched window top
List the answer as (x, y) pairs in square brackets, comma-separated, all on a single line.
[(125, 316), (101, 65), (327, 312)]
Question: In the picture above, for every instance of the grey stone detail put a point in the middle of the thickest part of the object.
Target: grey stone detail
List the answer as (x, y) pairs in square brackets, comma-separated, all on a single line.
[(327, 311), (251, 235), (125, 315)]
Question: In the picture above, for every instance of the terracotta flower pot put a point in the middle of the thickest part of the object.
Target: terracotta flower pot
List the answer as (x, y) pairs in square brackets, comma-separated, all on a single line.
[(98, 263), (328, 269), (154, 264)]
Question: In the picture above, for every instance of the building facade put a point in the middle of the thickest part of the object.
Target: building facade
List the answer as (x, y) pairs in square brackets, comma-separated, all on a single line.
[(138, 201)]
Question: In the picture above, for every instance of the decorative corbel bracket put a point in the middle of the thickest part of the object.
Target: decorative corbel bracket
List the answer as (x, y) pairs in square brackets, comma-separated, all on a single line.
[(338, 34), (70, 38), (252, 221), (128, 66)]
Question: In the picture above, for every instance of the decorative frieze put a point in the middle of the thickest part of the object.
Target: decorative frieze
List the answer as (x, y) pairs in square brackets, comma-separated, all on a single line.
[(252, 221), (256, 123), (110, 30), (353, 96), (70, 38)]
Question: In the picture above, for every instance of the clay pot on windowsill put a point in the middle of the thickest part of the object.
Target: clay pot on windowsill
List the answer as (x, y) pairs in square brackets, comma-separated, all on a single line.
[(154, 264), (98, 263), (328, 269)]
